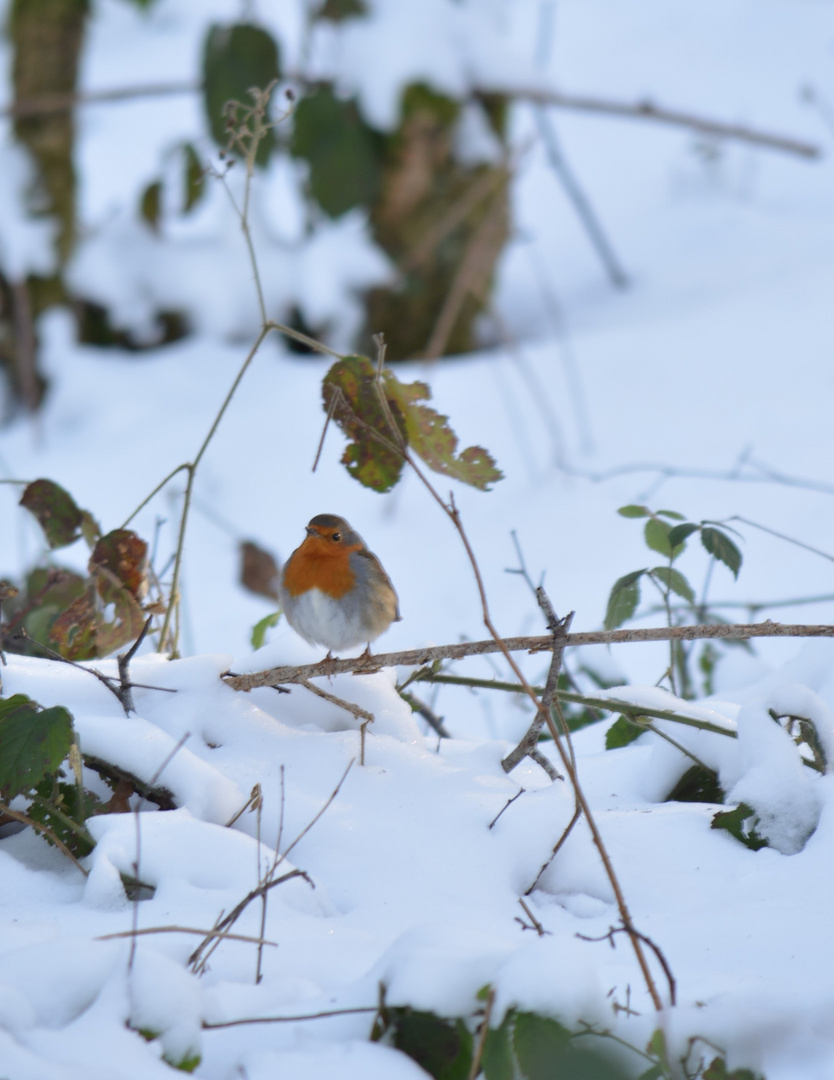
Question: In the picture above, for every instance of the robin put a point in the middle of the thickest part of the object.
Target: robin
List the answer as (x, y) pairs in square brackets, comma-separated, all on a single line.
[(334, 591)]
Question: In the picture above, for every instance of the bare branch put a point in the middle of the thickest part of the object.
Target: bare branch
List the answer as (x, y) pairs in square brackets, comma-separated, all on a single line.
[(363, 665)]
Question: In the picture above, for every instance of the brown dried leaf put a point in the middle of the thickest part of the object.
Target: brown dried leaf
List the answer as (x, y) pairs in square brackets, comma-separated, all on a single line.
[(125, 555), (258, 570)]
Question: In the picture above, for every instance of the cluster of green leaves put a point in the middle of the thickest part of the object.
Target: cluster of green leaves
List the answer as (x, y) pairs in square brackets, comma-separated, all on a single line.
[(35, 745), (82, 617), (670, 541), (530, 1046), (666, 532), (383, 418)]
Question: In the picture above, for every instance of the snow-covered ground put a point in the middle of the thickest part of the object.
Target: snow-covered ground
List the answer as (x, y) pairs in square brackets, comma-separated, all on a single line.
[(717, 358)]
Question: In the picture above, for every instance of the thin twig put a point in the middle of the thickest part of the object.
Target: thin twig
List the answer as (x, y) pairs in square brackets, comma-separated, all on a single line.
[(289, 1019), (577, 813), (355, 710), (667, 971), (647, 110), (185, 930), (482, 1036)]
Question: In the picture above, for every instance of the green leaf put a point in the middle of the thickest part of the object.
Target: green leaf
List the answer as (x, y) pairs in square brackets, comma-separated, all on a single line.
[(680, 533), (634, 511), (433, 439), (497, 1058), (540, 1044), (33, 743), (260, 628), (366, 412), (350, 396), (656, 533), (344, 154), (674, 580), (195, 189), (717, 1070), (654, 1072), (442, 1047), (544, 1051), (738, 823), (90, 528), (237, 58), (621, 733), (673, 514), (64, 809), (150, 205), (697, 785), (338, 10), (624, 598), (721, 547), (55, 510)]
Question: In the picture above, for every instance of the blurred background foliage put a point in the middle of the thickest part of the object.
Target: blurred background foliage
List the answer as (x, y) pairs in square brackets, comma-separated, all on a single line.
[(441, 221)]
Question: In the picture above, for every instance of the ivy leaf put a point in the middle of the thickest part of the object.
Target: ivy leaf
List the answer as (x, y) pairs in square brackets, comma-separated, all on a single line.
[(235, 59), (634, 511), (674, 580), (260, 628), (721, 547), (343, 153), (680, 533), (621, 733), (623, 600), (738, 823), (56, 511), (33, 743)]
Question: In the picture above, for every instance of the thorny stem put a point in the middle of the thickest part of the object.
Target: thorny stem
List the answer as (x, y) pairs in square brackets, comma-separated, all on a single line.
[(452, 512)]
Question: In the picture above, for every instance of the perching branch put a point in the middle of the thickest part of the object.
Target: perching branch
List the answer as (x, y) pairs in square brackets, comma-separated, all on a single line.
[(416, 657)]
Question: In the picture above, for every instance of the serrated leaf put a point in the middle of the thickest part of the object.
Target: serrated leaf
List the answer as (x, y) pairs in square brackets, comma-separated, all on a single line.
[(674, 580), (90, 529), (679, 533), (442, 1047), (656, 534), (634, 511), (344, 155), (260, 628), (621, 733), (150, 205), (721, 547), (350, 395), (235, 59), (353, 397), (740, 823), (125, 555), (195, 189), (539, 1044), (623, 600), (433, 439), (33, 743), (258, 570), (55, 510), (497, 1058), (53, 803)]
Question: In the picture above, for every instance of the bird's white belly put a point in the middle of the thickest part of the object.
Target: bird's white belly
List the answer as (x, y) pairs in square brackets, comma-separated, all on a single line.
[(321, 620)]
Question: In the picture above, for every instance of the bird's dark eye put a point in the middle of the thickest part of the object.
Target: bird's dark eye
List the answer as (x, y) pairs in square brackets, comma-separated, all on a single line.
[(337, 537)]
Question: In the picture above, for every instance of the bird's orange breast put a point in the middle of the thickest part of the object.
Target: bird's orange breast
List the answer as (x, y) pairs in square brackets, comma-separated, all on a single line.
[(329, 573)]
